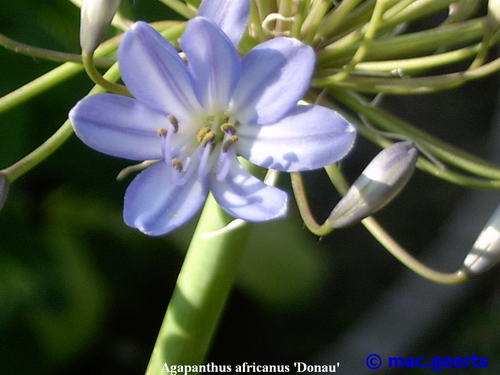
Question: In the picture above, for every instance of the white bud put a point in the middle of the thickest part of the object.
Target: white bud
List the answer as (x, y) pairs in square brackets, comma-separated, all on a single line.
[(485, 252), (380, 182), (494, 14), (96, 17)]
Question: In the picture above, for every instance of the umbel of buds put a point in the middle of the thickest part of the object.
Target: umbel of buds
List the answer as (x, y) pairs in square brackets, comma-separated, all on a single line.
[(96, 17), (380, 182), (485, 252)]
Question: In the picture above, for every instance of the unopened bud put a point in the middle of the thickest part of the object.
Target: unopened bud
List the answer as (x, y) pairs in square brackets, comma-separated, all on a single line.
[(96, 17), (494, 14), (380, 182), (4, 188), (485, 252)]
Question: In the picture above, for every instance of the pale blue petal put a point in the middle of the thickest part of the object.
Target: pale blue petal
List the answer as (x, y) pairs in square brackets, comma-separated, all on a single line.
[(309, 137), (119, 126), (245, 197), (154, 73), (275, 76), (156, 206), (230, 15), (213, 63)]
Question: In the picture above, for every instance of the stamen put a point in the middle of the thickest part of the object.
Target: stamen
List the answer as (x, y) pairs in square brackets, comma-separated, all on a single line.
[(228, 128), (188, 169), (134, 168), (209, 137), (230, 141), (203, 168), (177, 164), (224, 162), (202, 133), (174, 122), (168, 135)]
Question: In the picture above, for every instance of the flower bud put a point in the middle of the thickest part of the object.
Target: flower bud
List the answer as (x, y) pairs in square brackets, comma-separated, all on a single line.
[(485, 252), (4, 188), (380, 182), (96, 17), (494, 14)]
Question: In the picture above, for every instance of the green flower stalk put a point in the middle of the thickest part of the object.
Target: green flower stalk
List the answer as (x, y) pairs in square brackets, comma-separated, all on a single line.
[(201, 291), (4, 188)]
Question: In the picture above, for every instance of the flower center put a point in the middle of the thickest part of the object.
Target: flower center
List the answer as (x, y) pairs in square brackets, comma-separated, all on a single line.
[(203, 150)]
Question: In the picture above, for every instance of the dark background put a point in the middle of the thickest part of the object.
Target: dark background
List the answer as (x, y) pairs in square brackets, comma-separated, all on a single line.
[(80, 293)]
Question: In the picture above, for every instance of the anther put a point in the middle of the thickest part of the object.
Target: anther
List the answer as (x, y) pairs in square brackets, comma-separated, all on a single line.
[(228, 128), (202, 133), (174, 122), (177, 164), (209, 137), (230, 141), (162, 132)]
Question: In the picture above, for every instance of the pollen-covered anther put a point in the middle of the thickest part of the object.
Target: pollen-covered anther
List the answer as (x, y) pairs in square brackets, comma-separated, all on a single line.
[(174, 122), (177, 164), (162, 132), (209, 137), (228, 128), (202, 133), (230, 141)]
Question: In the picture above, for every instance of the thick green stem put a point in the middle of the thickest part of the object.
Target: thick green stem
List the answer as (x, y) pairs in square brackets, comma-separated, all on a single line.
[(201, 291)]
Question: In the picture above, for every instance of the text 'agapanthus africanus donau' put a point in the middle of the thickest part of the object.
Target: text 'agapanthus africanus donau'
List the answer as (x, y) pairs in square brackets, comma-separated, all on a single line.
[(194, 119)]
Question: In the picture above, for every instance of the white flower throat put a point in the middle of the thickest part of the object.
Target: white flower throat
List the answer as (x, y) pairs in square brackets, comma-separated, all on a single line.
[(207, 149)]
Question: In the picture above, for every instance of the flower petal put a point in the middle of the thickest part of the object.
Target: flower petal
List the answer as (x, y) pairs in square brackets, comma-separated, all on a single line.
[(310, 137), (230, 15), (119, 126), (213, 63), (275, 76), (156, 206), (154, 73), (246, 197)]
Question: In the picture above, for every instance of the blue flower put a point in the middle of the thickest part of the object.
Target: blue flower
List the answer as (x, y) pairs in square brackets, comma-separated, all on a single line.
[(195, 119)]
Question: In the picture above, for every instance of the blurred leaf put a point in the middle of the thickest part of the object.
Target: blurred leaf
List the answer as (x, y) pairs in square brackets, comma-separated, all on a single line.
[(284, 266)]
